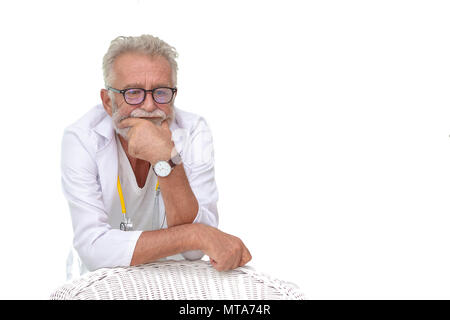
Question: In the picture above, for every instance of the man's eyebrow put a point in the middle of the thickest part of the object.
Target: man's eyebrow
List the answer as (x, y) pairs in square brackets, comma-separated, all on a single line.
[(133, 85), (140, 85)]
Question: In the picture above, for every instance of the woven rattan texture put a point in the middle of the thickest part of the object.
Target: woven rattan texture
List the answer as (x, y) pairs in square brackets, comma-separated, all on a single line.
[(167, 280)]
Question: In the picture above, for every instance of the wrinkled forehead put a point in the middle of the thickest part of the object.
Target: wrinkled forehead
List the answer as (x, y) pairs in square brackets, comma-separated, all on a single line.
[(139, 70)]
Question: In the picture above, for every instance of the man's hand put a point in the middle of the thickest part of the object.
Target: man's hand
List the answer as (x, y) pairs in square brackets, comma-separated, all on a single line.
[(148, 141), (225, 251)]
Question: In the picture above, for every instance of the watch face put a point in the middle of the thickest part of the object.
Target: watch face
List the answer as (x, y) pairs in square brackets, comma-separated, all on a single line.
[(162, 168)]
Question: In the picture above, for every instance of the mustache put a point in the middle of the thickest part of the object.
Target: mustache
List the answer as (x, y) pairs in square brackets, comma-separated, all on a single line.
[(139, 113)]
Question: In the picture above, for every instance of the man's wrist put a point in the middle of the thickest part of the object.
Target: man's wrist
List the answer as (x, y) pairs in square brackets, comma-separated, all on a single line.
[(164, 156), (198, 236)]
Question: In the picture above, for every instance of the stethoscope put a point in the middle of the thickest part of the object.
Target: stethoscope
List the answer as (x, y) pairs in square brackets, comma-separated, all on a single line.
[(127, 224)]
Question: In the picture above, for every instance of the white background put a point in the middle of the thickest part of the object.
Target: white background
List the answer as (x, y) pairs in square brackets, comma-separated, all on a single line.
[(331, 123)]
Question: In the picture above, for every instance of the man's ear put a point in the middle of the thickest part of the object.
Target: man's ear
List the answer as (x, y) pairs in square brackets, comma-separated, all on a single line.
[(106, 100)]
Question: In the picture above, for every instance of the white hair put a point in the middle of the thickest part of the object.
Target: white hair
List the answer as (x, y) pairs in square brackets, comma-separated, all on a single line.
[(146, 44)]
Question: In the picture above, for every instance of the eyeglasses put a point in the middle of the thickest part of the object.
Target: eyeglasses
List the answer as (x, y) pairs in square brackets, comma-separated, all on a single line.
[(134, 96)]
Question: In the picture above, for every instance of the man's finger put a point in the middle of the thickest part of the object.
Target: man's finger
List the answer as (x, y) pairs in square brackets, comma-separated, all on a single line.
[(129, 122), (246, 257), (165, 124), (244, 261), (236, 263)]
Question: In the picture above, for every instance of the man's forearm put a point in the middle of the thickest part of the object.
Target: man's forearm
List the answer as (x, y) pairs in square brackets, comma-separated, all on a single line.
[(179, 200), (154, 245)]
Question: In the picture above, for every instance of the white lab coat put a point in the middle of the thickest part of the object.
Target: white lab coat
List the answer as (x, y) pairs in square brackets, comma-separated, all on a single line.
[(89, 166)]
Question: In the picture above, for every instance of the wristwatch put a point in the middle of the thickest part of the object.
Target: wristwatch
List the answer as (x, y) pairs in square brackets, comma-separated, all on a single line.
[(164, 168)]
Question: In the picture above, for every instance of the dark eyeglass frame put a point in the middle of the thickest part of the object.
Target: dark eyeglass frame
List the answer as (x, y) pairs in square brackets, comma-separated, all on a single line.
[(174, 90)]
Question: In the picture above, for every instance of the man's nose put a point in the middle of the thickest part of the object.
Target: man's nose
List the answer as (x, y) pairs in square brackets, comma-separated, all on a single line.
[(149, 104)]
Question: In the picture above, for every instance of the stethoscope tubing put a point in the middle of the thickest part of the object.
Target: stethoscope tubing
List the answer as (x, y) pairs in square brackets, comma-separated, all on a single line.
[(126, 224)]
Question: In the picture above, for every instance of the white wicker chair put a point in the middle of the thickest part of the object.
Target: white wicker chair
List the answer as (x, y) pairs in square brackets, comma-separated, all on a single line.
[(176, 280)]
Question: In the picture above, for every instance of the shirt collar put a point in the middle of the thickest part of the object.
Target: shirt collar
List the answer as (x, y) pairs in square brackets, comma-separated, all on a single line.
[(105, 127)]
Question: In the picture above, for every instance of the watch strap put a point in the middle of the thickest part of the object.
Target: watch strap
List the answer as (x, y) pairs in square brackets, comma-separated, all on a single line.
[(175, 160)]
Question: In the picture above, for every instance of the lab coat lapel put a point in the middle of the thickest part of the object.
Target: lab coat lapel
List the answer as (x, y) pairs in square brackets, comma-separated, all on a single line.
[(107, 162)]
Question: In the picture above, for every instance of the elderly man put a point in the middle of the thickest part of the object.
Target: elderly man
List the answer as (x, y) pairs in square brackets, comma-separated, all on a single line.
[(138, 172)]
